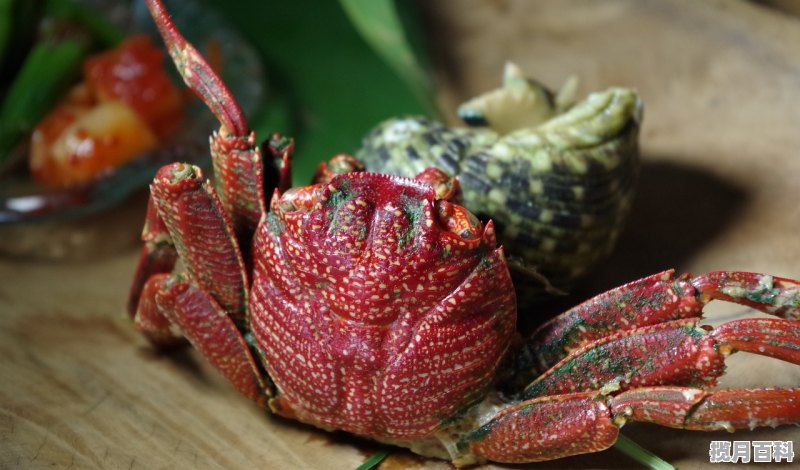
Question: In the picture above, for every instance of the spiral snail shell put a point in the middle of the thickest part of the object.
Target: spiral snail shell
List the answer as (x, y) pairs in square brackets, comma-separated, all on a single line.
[(556, 176)]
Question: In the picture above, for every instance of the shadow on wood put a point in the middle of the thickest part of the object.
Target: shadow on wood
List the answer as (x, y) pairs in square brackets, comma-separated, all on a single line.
[(678, 210)]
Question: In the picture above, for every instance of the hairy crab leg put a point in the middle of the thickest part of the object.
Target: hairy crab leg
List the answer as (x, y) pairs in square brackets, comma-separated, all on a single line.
[(673, 353), (235, 155), (559, 426), (652, 300)]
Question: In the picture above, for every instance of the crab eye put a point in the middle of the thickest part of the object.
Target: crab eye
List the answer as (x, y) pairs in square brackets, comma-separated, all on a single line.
[(458, 220), (338, 165), (298, 199), (445, 186)]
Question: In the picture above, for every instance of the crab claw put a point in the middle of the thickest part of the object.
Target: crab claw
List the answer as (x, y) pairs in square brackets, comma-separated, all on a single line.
[(197, 74)]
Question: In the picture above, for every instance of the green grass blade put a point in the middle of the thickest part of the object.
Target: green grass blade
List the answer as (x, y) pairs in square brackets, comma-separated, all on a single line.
[(373, 461), (47, 71), (379, 24), (638, 453)]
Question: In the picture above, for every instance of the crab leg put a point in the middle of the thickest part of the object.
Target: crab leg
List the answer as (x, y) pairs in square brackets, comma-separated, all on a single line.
[(562, 425), (170, 303), (236, 158), (652, 300), (212, 332), (205, 302), (542, 429), (201, 233), (158, 255), (148, 318), (701, 410), (677, 353)]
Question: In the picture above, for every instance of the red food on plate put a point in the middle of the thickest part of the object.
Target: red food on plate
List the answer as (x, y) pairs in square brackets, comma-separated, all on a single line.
[(123, 108)]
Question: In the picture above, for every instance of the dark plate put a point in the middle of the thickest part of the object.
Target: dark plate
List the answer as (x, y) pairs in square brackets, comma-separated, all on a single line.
[(21, 200)]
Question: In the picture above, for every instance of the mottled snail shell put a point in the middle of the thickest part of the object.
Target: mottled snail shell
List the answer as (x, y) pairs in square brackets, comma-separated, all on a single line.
[(557, 179)]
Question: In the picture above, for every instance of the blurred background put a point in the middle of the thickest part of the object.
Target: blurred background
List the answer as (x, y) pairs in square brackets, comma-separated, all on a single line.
[(720, 81)]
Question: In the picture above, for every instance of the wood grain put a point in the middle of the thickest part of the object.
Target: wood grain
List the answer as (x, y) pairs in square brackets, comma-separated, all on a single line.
[(721, 82)]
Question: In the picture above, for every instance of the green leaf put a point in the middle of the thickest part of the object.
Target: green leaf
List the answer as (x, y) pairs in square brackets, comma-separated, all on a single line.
[(332, 85), (380, 26), (48, 70)]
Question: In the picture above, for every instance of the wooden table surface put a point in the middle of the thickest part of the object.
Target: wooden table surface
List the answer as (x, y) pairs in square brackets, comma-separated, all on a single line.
[(719, 190)]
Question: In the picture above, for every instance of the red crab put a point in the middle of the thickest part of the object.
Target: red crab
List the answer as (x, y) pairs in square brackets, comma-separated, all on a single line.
[(370, 304)]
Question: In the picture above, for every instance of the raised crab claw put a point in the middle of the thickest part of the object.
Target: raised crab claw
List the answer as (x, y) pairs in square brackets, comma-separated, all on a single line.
[(372, 304)]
